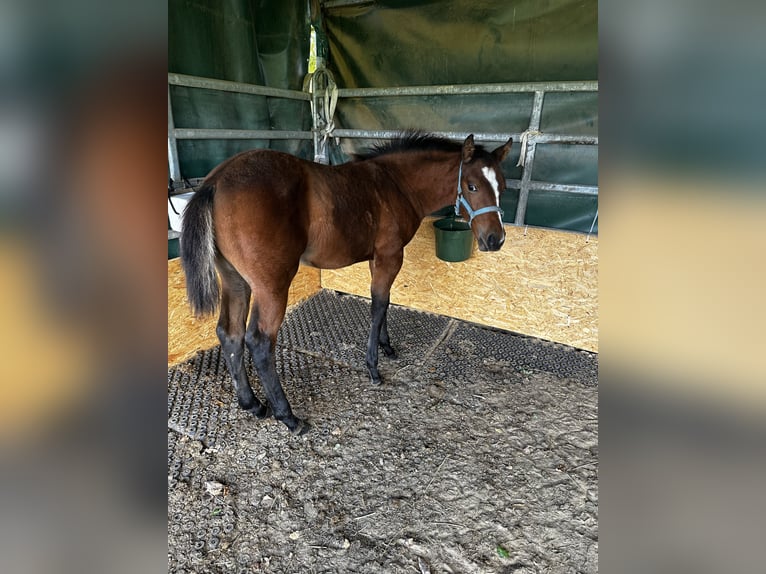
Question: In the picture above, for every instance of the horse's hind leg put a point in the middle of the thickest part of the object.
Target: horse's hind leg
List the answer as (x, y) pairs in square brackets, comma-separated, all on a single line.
[(383, 270), (235, 299), (265, 319)]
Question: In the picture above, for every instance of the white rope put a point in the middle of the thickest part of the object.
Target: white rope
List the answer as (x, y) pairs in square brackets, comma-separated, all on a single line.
[(324, 117), (330, 101), (592, 225), (524, 138)]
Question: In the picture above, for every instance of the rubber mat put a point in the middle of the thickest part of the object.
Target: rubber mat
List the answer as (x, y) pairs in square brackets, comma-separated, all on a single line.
[(325, 338), (337, 326), (213, 444), (472, 349)]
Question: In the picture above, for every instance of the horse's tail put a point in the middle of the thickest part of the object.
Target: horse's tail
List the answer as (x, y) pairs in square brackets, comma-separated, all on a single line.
[(198, 252)]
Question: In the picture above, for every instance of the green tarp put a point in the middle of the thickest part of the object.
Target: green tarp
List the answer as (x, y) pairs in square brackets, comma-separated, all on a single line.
[(398, 43), (391, 43), (264, 43), (411, 42)]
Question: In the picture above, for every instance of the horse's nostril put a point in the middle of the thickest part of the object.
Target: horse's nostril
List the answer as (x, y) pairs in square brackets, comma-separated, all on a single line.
[(494, 242)]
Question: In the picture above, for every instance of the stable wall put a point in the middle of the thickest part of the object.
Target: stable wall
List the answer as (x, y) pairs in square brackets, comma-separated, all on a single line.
[(542, 283)]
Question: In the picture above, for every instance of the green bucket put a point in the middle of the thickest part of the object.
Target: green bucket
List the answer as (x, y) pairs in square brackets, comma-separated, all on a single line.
[(173, 244), (454, 240)]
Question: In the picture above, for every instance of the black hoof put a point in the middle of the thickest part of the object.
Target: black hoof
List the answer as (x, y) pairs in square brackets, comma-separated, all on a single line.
[(256, 407), (376, 381), (298, 427), (389, 352), (262, 411)]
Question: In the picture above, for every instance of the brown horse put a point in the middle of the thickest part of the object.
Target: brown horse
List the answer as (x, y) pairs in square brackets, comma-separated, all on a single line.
[(261, 213)]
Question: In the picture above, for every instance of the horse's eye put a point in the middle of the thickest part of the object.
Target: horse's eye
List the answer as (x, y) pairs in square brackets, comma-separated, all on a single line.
[(472, 187)]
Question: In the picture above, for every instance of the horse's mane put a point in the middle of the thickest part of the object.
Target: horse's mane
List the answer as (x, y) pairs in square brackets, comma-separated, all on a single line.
[(411, 140)]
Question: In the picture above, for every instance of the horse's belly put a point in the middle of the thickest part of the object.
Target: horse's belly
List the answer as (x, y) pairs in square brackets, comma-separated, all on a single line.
[(331, 247), (319, 260), (327, 256)]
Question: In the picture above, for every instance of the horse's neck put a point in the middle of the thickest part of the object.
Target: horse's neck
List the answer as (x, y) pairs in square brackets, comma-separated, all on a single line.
[(428, 180)]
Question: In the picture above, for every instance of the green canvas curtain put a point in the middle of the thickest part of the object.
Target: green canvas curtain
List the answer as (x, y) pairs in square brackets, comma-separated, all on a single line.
[(397, 43), (408, 43), (257, 42)]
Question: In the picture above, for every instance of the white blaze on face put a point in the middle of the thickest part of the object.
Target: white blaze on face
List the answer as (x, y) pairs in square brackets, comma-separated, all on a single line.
[(489, 173)]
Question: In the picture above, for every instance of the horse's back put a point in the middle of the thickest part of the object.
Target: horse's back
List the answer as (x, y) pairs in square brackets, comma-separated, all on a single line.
[(270, 173), (281, 208)]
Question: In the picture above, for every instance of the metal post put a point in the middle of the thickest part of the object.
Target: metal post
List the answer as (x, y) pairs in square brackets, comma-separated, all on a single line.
[(526, 175), (173, 163)]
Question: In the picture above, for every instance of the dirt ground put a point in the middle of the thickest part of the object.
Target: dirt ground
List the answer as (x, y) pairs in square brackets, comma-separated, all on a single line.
[(471, 457)]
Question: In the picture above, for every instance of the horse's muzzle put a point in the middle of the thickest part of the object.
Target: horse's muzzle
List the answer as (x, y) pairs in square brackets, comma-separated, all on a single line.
[(491, 242)]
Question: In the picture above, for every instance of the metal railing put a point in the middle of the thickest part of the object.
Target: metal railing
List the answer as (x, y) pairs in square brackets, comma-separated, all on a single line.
[(175, 133), (239, 87), (531, 137), (462, 89)]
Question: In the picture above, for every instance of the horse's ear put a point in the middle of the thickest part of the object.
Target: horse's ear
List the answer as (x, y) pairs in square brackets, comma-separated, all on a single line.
[(468, 148), (503, 150)]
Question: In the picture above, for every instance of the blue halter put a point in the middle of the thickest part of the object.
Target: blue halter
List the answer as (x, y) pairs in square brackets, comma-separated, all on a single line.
[(461, 199)]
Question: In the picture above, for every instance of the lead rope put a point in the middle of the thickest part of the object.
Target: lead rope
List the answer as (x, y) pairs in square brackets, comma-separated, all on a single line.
[(323, 119), (524, 139), (331, 100)]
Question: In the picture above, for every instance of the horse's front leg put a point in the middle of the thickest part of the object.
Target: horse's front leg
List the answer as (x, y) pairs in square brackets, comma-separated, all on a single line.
[(385, 341), (383, 270)]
